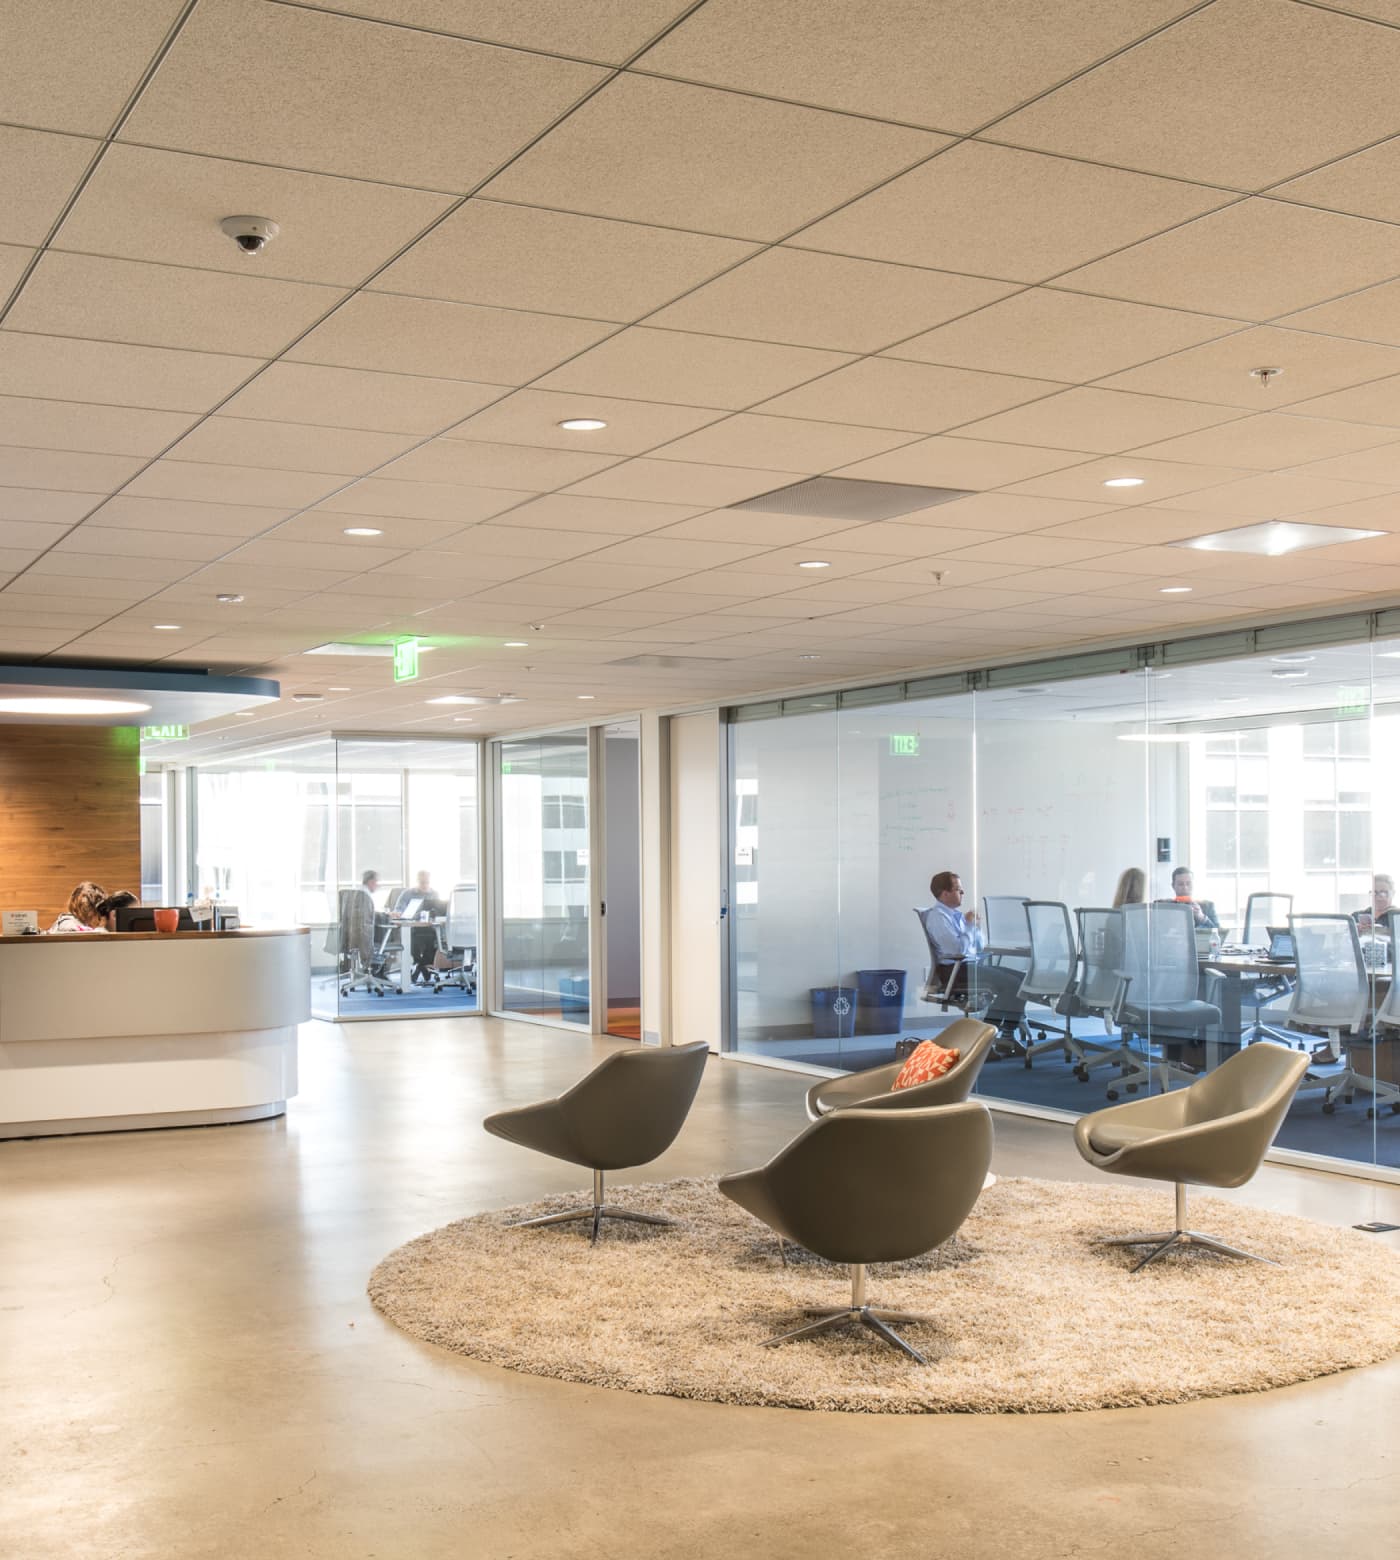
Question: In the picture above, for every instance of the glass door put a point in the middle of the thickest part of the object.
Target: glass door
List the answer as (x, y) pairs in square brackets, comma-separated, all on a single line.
[(545, 880), (620, 885)]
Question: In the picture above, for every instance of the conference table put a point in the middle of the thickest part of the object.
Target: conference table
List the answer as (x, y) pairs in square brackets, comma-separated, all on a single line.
[(1239, 969)]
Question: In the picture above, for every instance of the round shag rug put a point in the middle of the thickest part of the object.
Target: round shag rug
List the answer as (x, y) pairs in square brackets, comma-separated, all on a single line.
[(1032, 1316)]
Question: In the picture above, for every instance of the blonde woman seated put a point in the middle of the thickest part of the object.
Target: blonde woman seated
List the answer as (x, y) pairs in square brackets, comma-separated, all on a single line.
[(1132, 888), (84, 912)]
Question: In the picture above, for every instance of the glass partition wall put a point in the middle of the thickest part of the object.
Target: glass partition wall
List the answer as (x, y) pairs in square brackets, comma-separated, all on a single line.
[(1217, 781), (371, 843)]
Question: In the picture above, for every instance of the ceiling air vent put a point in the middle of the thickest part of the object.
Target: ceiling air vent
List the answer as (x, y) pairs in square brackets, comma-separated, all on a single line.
[(846, 498)]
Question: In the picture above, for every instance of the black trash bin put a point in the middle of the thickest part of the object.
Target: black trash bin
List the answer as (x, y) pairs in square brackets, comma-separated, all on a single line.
[(880, 1001), (833, 1012)]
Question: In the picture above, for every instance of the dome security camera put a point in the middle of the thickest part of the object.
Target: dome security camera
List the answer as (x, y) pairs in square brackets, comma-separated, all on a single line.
[(251, 234)]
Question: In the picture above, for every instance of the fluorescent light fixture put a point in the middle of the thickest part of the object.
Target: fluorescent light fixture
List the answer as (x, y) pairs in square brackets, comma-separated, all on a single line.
[(1286, 676), (516, 644), (1153, 736), (1273, 538), (1175, 590), (814, 563), (228, 599), (363, 530), (1125, 482), (70, 706), (166, 628), (458, 698), (583, 424), (341, 647)]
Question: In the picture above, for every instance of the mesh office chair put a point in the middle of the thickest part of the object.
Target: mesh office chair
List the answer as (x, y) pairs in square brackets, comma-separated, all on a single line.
[(1099, 991), (1261, 911), (1050, 975), (1332, 998), (942, 983), (359, 967), (1160, 1005), (1366, 1064), (460, 940), (956, 985)]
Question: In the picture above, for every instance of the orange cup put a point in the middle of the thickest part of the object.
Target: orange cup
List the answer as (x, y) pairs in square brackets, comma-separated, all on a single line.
[(167, 920)]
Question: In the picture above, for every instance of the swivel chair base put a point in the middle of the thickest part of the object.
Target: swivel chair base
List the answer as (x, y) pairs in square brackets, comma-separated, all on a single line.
[(1164, 1241), (598, 1210), (857, 1313)]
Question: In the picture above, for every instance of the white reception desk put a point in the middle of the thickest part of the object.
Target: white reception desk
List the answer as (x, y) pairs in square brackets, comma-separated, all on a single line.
[(103, 1034)]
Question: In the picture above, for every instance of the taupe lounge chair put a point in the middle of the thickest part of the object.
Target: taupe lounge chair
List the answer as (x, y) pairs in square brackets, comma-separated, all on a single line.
[(624, 1113), (1215, 1133), (862, 1186), (874, 1088)]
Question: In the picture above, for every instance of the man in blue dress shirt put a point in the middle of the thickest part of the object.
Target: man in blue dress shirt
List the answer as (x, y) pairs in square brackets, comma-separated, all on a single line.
[(956, 939)]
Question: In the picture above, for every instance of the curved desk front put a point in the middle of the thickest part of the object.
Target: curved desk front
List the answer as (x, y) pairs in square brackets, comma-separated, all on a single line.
[(143, 1029)]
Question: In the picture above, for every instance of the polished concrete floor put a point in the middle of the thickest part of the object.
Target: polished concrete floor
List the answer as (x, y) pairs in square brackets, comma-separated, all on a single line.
[(191, 1368)]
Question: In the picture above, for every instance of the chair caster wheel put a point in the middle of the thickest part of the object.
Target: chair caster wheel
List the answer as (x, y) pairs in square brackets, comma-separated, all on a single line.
[(1068, 1058), (1082, 1074), (1113, 1094), (1328, 1108), (1028, 1064)]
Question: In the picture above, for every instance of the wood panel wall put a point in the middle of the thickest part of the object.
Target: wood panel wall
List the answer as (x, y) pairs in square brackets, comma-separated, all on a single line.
[(70, 808)]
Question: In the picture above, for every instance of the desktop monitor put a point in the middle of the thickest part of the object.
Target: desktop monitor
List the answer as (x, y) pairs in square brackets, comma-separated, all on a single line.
[(142, 918)]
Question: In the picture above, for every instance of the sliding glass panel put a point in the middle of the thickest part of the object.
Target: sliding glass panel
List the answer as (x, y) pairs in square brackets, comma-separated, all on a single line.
[(543, 783)]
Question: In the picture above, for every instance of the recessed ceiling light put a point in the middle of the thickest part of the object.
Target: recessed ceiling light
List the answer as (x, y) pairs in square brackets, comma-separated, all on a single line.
[(1273, 538), (70, 706), (516, 644), (1176, 590), (166, 628), (1287, 676), (1125, 482), (587, 695), (1291, 660), (457, 698), (363, 530), (337, 689), (228, 599), (814, 563), (467, 718), (583, 424), (243, 715), (809, 657)]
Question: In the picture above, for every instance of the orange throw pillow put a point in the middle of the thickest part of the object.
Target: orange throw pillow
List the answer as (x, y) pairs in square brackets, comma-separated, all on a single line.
[(929, 1061)]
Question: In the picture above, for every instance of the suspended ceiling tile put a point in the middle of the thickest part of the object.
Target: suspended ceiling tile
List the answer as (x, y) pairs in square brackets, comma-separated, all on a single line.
[(156, 570), (1378, 463), (616, 577), (13, 260), (533, 416), (665, 365), (662, 552), (1060, 335), (289, 446), (64, 368), (726, 526), (65, 470), (33, 535), (1377, 402), (450, 570), (1001, 512), (966, 463), (475, 462), (1276, 496), (1370, 315), (682, 482), (891, 539), (166, 306), (688, 157), (233, 484), (607, 30), (937, 63), (387, 102), (354, 398), (1268, 441), (1220, 371), (883, 392), (997, 212), (503, 540), (127, 542), (1253, 261), (556, 262), (1105, 421), (619, 516), (1363, 185), (1027, 550), (95, 587), (184, 514), (445, 340), (789, 443), (102, 430), (420, 500), (349, 555), (71, 66), (38, 172), (818, 300), (1145, 526), (527, 594), (1161, 480)]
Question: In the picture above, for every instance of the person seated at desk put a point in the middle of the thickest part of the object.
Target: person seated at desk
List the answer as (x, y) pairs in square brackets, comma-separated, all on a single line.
[(1132, 888), (1202, 910), (109, 906), (423, 941), (1372, 919), (957, 939), (84, 912)]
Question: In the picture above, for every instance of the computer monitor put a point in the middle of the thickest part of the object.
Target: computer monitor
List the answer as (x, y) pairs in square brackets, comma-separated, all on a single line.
[(142, 918)]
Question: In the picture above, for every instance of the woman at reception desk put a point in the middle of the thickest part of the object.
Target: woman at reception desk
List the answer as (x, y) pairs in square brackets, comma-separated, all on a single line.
[(149, 1029)]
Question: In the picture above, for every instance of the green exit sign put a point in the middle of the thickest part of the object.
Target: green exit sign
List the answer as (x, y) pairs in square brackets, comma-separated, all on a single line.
[(165, 733), (904, 744), (406, 660), (1353, 701)]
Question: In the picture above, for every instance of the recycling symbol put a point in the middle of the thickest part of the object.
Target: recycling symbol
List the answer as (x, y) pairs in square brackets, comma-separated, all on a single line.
[(890, 988), (841, 1006)]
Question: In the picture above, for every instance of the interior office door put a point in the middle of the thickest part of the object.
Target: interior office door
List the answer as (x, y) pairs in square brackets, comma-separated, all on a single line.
[(697, 880)]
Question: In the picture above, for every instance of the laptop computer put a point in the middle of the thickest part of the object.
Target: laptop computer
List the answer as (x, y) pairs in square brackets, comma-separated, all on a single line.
[(1281, 949)]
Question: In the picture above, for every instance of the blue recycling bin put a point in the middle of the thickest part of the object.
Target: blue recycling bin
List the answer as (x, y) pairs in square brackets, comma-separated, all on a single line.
[(880, 1001), (833, 1012), (573, 994)]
